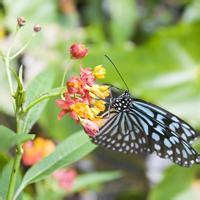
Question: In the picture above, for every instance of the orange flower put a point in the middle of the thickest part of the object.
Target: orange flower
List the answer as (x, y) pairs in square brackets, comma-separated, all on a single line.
[(48, 148), (65, 105), (36, 150), (30, 155), (82, 99), (75, 85)]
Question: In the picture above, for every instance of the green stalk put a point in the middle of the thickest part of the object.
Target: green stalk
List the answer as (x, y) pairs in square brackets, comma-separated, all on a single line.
[(15, 169), (19, 150), (7, 63), (69, 64), (45, 96), (23, 48)]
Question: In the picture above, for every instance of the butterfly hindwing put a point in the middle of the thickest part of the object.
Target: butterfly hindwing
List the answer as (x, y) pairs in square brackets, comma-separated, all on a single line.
[(122, 133)]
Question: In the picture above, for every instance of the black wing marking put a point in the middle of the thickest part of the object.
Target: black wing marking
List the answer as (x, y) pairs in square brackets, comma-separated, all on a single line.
[(163, 117)]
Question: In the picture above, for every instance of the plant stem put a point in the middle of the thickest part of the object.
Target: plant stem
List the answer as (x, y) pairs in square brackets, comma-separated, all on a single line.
[(6, 59), (45, 96), (19, 150), (15, 169), (69, 64), (7, 63), (23, 48)]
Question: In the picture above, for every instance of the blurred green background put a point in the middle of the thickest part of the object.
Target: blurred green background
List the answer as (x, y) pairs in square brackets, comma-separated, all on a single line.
[(156, 46)]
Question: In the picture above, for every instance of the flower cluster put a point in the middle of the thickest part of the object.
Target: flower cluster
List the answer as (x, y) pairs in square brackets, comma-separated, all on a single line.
[(36, 150), (65, 178), (84, 99)]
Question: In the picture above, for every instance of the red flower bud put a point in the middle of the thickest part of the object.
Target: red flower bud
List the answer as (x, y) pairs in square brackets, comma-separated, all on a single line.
[(37, 28), (78, 51), (90, 127), (21, 21)]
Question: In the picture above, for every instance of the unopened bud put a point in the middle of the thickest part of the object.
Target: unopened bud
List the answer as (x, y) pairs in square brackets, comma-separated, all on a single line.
[(21, 21), (78, 51), (37, 28)]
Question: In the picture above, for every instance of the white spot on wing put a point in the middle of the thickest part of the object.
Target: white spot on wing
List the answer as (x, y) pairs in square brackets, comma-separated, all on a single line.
[(157, 146), (155, 136), (167, 143), (169, 152), (184, 153)]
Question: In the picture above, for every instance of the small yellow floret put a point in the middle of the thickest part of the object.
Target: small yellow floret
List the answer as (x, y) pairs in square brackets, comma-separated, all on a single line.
[(100, 91), (100, 105), (99, 72)]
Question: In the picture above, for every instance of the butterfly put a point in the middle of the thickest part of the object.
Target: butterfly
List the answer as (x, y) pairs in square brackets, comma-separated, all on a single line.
[(132, 125)]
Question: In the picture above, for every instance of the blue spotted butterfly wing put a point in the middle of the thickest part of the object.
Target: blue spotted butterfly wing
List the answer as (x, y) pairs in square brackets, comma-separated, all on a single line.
[(134, 126)]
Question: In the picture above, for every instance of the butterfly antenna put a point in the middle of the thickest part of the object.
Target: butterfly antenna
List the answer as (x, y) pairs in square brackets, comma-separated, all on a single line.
[(117, 71)]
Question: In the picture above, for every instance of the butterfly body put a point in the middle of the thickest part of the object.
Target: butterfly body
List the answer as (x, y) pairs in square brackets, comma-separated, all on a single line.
[(136, 126), (122, 103)]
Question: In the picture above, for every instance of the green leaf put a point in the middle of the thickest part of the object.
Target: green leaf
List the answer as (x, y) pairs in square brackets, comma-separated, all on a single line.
[(52, 93), (69, 151), (4, 157), (58, 130), (173, 183), (5, 179), (56, 90), (192, 192), (49, 189), (93, 179), (40, 85), (8, 138), (121, 21)]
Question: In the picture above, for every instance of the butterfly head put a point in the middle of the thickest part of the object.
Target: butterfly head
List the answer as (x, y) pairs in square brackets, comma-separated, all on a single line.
[(122, 103)]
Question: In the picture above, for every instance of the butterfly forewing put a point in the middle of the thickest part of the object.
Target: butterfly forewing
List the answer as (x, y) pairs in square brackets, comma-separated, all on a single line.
[(166, 118)]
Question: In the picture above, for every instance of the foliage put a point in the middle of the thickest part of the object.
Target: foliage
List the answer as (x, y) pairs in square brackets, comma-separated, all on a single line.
[(154, 44)]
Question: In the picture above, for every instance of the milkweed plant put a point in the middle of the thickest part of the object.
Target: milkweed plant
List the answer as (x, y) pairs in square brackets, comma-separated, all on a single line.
[(81, 97)]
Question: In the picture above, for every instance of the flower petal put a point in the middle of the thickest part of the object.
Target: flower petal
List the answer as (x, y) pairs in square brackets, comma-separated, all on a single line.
[(61, 114)]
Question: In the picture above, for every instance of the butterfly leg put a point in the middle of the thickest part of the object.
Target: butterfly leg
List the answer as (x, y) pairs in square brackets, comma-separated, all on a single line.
[(109, 107)]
